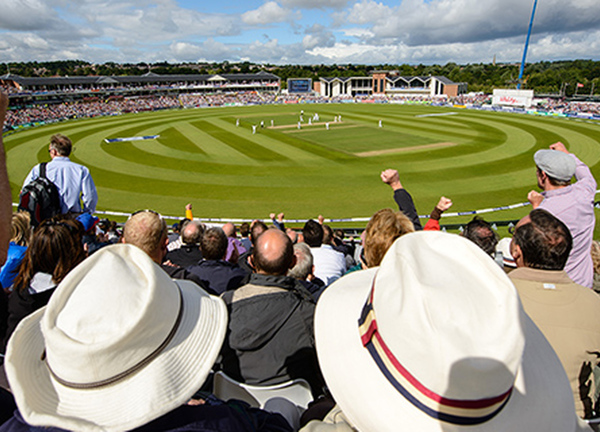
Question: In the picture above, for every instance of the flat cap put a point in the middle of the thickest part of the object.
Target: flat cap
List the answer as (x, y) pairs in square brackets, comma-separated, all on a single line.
[(556, 164)]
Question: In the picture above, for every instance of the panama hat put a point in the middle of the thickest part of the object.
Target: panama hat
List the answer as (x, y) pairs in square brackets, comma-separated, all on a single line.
[(118, 345), (435, 339)]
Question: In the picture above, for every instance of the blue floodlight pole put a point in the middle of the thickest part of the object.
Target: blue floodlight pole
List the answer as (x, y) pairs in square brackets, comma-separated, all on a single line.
[(526, 45)]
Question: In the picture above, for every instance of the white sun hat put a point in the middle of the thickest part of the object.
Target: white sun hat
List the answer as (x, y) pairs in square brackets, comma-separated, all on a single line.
[(435, 339), (118, 345), (503, 246)]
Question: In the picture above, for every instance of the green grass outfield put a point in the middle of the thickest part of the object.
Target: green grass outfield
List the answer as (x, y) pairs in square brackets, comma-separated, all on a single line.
[(479, 159)]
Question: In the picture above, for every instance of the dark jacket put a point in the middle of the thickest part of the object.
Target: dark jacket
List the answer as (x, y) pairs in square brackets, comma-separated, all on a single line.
[(270, 337), (219, 275), (185, 256), (21, 304), (214, 416), (180, 273)]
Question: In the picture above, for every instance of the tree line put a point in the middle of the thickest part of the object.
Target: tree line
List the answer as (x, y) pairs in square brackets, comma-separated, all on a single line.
[(566, 77)]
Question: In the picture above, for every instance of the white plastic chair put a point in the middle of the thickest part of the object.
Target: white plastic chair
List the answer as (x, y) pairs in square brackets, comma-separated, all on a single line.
[(289, 399), (296, 391), (594, 424)]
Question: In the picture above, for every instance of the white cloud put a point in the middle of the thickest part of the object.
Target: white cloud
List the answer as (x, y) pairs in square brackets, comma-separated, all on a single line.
[(315, 4), (317, 35), (208, 50), (27, 15), (417, 22), (361, 31), (358, 32), (268, 13)]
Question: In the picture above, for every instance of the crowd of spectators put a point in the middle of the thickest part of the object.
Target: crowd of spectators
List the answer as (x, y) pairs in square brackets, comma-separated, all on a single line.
[(275, 294), (114, 105), (64, 111), (133, 329)]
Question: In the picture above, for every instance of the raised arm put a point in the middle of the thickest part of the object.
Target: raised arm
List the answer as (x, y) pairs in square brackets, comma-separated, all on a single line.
[(433, 224), (401, 196)]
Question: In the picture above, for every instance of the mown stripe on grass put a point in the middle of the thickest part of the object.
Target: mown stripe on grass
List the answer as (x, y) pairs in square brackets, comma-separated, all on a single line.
[(242, 145), (307, 146), (428, 127), (173, 138)]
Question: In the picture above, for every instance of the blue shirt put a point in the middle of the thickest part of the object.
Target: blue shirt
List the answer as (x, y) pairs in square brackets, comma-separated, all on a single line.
[(10, 268), (74, 183)]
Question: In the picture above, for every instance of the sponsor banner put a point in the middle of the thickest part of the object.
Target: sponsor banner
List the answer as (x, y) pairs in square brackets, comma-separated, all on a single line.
[(509, 97)]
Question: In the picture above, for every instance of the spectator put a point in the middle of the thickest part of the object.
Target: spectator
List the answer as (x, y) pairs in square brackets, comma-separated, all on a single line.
[(384, 227), (74, 181), (110, 231), (572, 204), (330, 239), (216, 273), (234, 246), (503, 252), (437, 293), (278, 221), (174, 234), (567, 313), (20, 233), (5, 202), (177, 242), (293, 235), (330, 265), (123, 352), (256, 229), (401, 196), (433, 224), (481, 233), (244, 233), (55, 248), (340, 245), (189, 253), (304, 270), (147, 230), (270, 332), (596, 261), (91, 242)]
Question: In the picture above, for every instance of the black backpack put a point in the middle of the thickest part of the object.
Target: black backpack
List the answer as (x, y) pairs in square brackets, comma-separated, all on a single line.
[(40, 198)]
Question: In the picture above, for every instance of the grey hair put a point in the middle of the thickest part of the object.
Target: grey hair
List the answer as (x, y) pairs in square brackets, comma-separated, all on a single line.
[(304, 262)]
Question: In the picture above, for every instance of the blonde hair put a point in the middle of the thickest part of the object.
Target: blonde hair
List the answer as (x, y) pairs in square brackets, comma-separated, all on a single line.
[(596, 256), (145, 230), (382, 230), (20, 228)]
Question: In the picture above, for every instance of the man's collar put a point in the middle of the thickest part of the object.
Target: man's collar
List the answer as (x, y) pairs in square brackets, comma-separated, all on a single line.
[(557, 191), (538, 275), (60, 158)]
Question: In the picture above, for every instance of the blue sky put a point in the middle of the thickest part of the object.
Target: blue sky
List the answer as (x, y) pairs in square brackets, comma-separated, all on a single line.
[(297, 31)]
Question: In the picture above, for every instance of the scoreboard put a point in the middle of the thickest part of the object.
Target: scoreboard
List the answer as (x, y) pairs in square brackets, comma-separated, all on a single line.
[(299, 85)]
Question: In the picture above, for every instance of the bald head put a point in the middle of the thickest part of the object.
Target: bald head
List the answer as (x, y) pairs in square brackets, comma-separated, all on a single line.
[(273, 253), (525, 220), (192, 232), (229, 229), (147, 231)]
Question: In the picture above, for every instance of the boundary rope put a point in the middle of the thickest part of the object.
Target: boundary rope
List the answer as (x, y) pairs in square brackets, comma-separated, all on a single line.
[(329, 220)]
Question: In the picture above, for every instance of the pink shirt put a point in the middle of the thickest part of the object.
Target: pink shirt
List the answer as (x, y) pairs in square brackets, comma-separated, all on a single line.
[(574, 206)]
